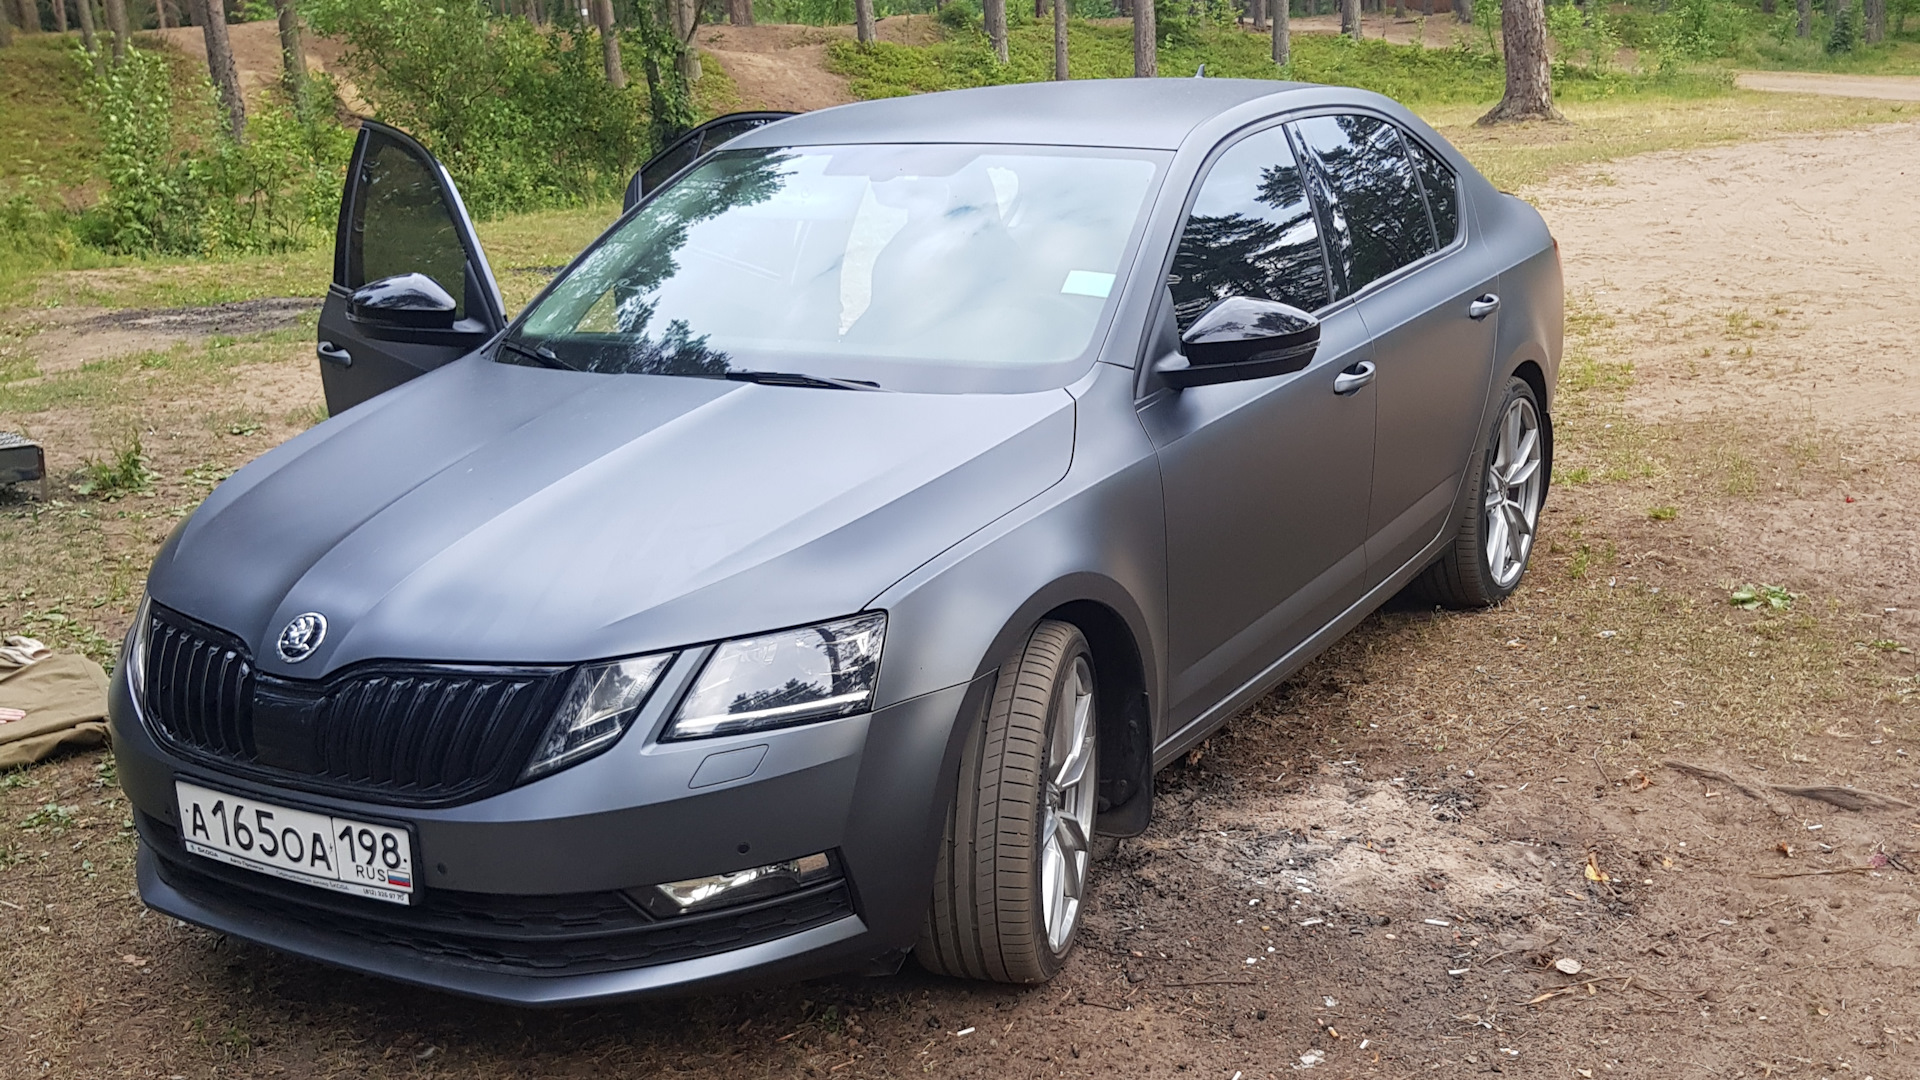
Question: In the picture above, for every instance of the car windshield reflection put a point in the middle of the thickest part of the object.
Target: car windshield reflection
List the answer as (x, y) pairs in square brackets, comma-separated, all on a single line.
[(873, 264)]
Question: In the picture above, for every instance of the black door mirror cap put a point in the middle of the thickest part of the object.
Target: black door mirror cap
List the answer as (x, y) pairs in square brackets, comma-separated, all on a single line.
[(1240, 338), (414, 301)]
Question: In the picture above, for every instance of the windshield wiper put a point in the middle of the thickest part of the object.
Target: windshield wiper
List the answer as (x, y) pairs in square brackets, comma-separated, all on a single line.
[(790, 378), (542, 355)]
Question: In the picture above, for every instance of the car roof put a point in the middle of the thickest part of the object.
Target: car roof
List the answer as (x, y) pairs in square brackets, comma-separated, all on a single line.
[(1152, 114)]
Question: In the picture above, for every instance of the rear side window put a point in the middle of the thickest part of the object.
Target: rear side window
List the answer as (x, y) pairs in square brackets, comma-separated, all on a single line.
[(1251, 232), (1370, 179), (1443, 191)]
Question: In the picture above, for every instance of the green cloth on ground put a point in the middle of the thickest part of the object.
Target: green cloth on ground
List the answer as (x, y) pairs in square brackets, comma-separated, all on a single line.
[(63, 699)]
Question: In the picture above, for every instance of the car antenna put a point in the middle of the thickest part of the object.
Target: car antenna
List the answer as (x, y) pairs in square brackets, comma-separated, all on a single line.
[(1202, 73)]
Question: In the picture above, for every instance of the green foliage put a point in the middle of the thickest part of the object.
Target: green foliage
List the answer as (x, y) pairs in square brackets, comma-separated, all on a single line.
[(1845, 34), (1696, 30), (50, 816), (961, 15), (523, 117), (1408, 73), (1773, 597), (1585, 37), (123, 473), (177, 182)]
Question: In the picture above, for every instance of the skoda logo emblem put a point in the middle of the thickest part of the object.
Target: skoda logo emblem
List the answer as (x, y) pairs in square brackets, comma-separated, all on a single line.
[(303, 635)]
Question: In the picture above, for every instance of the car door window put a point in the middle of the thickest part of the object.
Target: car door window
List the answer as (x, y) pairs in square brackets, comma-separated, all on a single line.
[(402, 224), (1370, 181), (671, 160), (1251, 232), (1442, 188)]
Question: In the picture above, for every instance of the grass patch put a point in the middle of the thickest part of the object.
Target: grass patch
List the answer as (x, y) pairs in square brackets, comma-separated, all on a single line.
[(1104, 50), (123, 472), (43, 120)]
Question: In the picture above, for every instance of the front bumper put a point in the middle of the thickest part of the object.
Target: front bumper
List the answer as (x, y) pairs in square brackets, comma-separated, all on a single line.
[(520, 895)]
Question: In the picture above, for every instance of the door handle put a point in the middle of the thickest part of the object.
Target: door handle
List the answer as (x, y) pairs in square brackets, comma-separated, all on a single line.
[(333, 354), (1353, 378), (1483, 307)]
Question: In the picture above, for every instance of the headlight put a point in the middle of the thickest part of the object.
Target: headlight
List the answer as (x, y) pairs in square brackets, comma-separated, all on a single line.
[(600, 702), (790, 677), (133, 656)]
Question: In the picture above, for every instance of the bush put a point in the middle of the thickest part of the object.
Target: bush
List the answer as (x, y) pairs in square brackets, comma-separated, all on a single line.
[(1578, 33), (961, 15), (1845, 34), (177, 183), (1693, 30), (522, 117)]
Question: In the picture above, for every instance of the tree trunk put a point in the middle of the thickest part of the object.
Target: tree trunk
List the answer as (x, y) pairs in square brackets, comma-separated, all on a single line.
[(994, 14), (1399, 9), (1060, 41), (60, 15), (863, 23), (1874, 25), (160, 14), (1282, 32), (213, 26), (740, 12), (116, 22), (1039, 10), (609, 42), (293, 53), (1145, 41), (1259, 15), (1805, 26), (1463, 11), (1767, 7), (6, 26), (1426, 10), (85, 10), (1350, 18), (1529, 96), (686, 20)]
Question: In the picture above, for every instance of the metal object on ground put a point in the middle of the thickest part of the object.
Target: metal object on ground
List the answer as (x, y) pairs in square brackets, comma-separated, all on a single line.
[(21, 461)]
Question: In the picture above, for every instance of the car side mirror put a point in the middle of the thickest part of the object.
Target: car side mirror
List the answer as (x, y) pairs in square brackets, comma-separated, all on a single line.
[(1242, 338), (413, 301)]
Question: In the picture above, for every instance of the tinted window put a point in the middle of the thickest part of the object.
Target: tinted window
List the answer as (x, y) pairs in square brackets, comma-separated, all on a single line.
[(402, 223), (671, 160), (911, 265), (1443, 195), (730, 130), (1365, 164), (1251, 233)]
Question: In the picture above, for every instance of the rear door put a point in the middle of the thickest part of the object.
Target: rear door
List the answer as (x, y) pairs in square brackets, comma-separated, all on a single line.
[(1416, 282), (400, 215)]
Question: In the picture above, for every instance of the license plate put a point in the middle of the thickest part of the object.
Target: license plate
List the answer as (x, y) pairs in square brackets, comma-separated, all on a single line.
[(342, 854)]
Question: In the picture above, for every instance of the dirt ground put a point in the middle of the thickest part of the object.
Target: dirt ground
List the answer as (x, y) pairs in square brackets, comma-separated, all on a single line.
[(1371, 873)]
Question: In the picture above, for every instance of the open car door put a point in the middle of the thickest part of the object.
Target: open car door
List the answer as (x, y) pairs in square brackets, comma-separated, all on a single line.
[(687, 149), (411, 288)]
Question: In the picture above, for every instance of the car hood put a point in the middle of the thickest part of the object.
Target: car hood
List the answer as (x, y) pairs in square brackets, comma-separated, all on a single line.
[(494, 513)]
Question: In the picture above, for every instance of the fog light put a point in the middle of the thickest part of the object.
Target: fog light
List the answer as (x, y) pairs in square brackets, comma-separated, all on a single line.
[(741, 886)]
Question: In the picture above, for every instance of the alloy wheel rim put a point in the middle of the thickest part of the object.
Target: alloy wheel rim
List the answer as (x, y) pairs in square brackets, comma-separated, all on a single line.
[(1069, 802), (1513, 487)]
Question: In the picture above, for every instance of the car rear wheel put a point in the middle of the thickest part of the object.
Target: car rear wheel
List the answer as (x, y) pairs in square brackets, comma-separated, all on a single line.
[(1495, 538), (1012, 869)]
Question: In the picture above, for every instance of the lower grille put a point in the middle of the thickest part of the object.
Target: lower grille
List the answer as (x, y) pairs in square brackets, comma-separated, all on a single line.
[(572, 934), (405, 734)]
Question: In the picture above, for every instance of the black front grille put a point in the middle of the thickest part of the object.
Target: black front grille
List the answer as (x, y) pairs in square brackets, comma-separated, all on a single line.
[(569, 934), (407, 734)]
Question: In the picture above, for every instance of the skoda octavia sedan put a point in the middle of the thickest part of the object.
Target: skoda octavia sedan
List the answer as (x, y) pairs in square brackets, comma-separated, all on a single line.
[(838, 545)]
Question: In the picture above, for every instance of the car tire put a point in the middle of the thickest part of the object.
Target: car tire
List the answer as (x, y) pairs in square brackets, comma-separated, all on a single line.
[(1497, 526), (1012, 868)]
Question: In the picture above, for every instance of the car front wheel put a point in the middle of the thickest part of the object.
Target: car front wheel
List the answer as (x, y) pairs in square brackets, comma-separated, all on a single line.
[(1497, 527), (1012, 871)]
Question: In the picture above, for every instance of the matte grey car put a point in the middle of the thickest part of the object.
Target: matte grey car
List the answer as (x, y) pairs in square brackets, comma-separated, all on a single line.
[(838, 544)]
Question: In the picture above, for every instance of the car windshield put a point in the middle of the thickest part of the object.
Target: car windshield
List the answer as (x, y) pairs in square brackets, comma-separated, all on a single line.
[(941, 267)]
